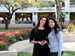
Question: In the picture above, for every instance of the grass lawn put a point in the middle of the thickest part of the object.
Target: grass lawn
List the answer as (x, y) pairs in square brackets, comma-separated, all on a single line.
[(24, 54), (69, 53), (13, 28), (66, 53)]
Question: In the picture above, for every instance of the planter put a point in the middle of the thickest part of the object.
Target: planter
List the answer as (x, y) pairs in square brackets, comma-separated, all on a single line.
[(65, 31), (8, 38)]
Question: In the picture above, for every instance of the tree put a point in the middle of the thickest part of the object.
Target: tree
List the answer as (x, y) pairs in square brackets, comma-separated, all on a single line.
[(45, 3), (40, 3), (58, 8), (12, 6), (57, 3)]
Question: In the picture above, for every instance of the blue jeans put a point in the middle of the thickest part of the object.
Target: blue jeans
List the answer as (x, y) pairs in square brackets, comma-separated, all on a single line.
[(55, 53)]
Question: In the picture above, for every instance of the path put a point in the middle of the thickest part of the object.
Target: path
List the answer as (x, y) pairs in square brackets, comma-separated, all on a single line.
[(25, 46)]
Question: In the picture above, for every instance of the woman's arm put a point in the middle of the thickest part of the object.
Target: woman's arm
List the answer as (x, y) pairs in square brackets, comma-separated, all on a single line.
[(37, 42), (46, 42), (34, 42), (32, 36), (60, 42)]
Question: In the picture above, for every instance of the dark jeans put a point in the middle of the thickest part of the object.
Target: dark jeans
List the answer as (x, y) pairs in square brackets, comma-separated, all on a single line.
[(55, 53)]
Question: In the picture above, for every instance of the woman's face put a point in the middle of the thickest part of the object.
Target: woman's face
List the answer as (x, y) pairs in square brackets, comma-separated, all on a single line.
[(51, 23), (43, 21)]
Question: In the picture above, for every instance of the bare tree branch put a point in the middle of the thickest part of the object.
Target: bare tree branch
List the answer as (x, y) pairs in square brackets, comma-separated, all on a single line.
[(6, 7)]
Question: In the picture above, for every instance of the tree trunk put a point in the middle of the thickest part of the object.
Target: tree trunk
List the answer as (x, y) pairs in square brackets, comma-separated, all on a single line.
[(57, 10), (6, 24), (57, 14)]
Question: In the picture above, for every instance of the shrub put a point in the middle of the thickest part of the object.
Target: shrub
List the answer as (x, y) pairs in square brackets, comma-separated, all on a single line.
[(71, 27), (10, 37), (3, 45), (63, 26), (3, 38), (18, 36)]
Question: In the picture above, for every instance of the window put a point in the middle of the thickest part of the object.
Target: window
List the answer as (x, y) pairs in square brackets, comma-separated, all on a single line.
[(23, 18), (72, 2)]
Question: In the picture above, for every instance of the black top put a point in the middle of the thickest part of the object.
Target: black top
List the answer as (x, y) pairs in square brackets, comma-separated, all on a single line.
[(39, 50)]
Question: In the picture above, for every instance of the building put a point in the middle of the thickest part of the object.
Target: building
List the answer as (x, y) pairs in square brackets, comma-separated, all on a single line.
[(31, 14)]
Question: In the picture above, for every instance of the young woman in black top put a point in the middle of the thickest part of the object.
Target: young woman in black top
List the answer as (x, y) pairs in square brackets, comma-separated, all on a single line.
[(39, 38)]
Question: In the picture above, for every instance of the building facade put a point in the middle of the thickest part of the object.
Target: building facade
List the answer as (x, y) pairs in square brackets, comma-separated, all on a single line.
[(31, 14)]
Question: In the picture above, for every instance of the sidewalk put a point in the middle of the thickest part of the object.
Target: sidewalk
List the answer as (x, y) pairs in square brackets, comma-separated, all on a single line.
[(69, 46), (25, 46)]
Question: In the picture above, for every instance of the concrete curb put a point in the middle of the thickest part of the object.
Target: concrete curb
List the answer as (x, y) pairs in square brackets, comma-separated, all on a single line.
[(8, 53)]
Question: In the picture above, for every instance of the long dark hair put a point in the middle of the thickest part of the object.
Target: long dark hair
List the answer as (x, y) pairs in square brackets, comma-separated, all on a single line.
[(56, 27), (38, 24)]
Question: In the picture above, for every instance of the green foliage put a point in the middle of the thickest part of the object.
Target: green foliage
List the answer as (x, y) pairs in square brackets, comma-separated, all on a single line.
[(63, 14), (16, 3), (26, 35), (3, 45), (12, 29), (63, 0), (63, 26), (71, 27), (40, 3), (18, 36), (10, 38), (23, 35), (1, 39)]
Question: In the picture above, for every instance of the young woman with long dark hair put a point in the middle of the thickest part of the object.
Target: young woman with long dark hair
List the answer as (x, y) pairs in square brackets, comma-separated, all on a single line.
[(39, 37), (55, 38)]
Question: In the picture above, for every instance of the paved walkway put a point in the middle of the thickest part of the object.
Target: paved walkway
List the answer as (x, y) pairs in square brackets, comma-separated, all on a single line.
[(17, 25), (25, 46), (21, 46)]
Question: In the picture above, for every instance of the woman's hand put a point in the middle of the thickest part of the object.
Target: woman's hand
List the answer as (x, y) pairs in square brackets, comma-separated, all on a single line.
[(39, 42), (59, 54), (46, 42), (43, 42)]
